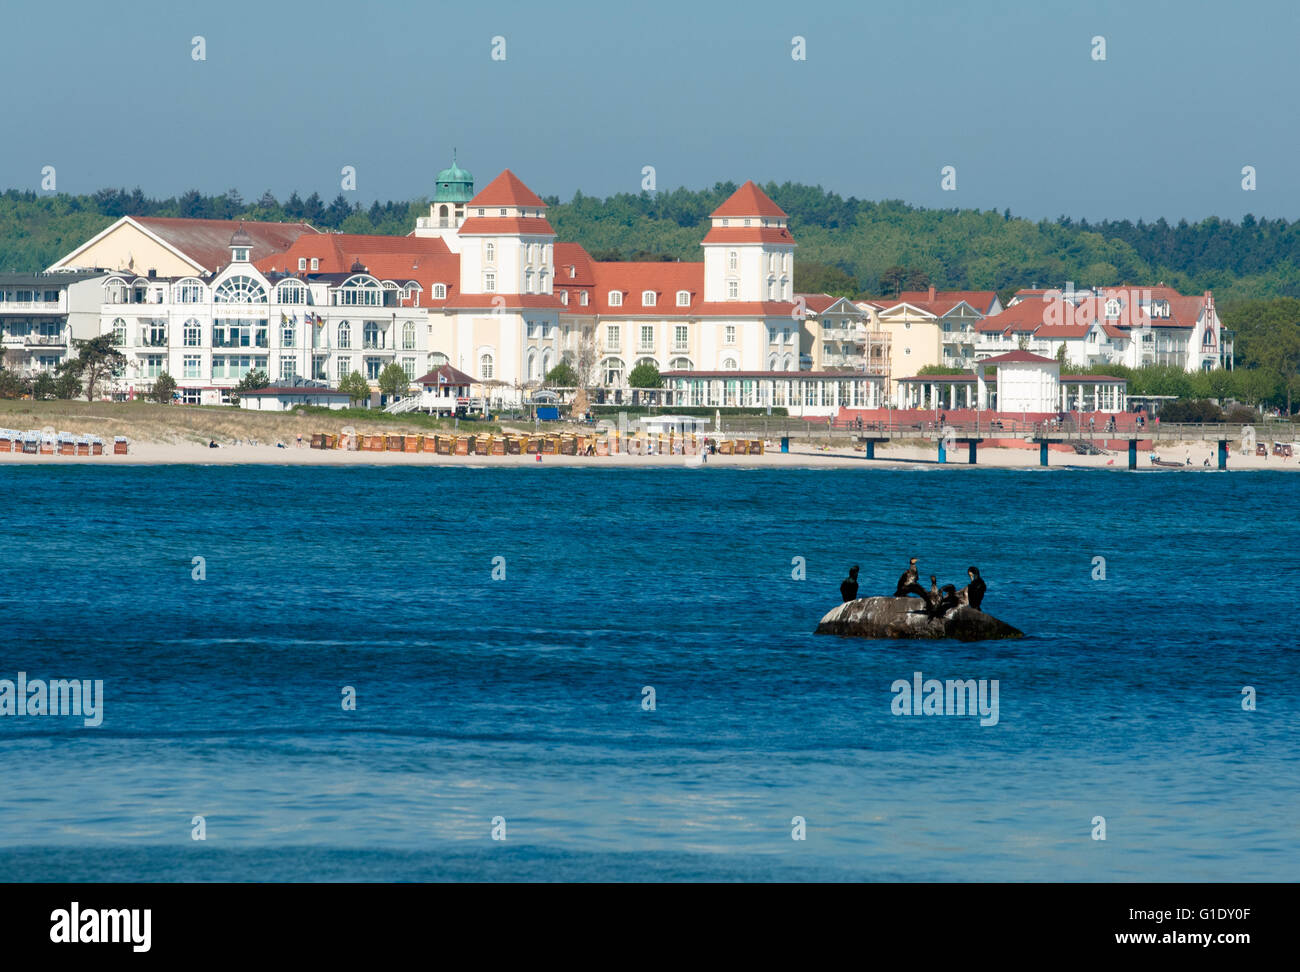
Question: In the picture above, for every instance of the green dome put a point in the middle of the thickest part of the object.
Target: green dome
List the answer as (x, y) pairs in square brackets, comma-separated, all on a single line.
[(454, 185)]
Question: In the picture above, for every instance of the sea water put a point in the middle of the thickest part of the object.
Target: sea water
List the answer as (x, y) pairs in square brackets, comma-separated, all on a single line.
[(587, 674)]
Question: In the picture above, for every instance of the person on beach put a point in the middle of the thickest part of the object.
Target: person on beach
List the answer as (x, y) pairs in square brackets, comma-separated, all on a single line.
[(849, 586)]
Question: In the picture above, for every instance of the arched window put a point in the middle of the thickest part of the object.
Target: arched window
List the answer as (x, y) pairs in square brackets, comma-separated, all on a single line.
[(345, 334), (189, 291), (408, 336), (683, 298), (240, 290), (485, 366), (615, 298), (613, 371), (361, 290), (291, 292), (681, 364), (371, 336), (729, 364), (771, 362), (784, 293), (115, 291), (440, 291), (119, 333), (531, 371), (648, 298), (436, 360), (192, 333), (771, 288), (528, 281), (788, 363), (548, 362)]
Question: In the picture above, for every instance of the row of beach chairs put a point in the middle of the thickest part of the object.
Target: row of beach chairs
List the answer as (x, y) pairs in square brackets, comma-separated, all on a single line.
[(49, 443)]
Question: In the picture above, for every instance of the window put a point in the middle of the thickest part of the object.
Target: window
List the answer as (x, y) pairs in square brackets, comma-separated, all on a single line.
[(771, 263), (191, 366), (683, 298), (613, 371), (408, 365), (733, 289), (489, 252), (315, 263), (680, 335), (528, 281), (531, 370), (440, 291), (612, 336), (318, 367), (286, 335), (345, 334), (788, 334), (485, 367), (114, 292), (729, 334), (155, 334), (373, 367), (240, 290), (192, 334), (647, 337), (288, 367), (564, 297), (547, 331), (615, 298), (583, 299), (680, 364), (732, 260), (359, 293), (302, 263), (343, 366), (785, 263), (189, 292), (152, 365), (729, 363), (771, 288), (372, 336), (119, 333), (292, 292), (489, 283), (648, 298), (408, 336)]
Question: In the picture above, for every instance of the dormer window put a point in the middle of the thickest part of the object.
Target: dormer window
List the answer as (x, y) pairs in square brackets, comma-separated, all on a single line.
[(747, 222), (440, 291), (564, 297), (683, 298), (1112, 309), (573, 271), (647, 298), (725, 221), (302, 264), (583, 299), (615, 298), (240, 254), (501, 212), (315, 263), (481, 211)]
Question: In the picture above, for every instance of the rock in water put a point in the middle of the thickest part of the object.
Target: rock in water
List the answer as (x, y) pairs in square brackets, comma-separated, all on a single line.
[(905, 617)]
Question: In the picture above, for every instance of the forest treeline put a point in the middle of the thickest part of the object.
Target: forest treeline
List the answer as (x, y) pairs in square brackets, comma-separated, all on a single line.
[(846, 246)]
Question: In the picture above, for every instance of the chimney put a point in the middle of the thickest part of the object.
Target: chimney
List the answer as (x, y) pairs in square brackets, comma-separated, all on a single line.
[(932, 294)]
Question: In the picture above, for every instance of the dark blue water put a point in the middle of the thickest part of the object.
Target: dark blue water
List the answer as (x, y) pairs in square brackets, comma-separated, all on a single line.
[(522, 698)]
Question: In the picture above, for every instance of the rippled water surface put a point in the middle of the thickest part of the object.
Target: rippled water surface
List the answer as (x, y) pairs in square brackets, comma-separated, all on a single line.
[(521, 698)]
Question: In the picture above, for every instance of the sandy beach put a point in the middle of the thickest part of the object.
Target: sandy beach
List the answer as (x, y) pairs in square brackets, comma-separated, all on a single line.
[(801, 456)]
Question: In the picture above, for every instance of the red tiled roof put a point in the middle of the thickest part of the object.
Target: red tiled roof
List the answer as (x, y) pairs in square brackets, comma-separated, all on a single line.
[(505, 226), (507, 190), (631, 279), (452, 376), (572, 255), (749, 200), (748, 234), (207, 241), (1015, 356), (427, 260), (944, 301)]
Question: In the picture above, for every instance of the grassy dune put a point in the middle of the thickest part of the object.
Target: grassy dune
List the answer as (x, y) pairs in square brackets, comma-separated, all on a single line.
[(147, 422)]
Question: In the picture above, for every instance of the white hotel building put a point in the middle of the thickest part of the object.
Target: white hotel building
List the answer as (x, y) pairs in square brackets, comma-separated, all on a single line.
[(481, 284)]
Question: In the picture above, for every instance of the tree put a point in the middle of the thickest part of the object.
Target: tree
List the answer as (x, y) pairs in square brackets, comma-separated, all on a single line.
[(164, 387), (819, 278), (393, 380), (917, 280), (97, 358), (257, 378), (43, 385), (356, 387), (12, 384), (67, 386), (562, 375), (891, 279), (645, 375)]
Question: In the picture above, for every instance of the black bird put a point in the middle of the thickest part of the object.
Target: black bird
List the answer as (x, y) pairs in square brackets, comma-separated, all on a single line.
[(976, 588), (849, 586)]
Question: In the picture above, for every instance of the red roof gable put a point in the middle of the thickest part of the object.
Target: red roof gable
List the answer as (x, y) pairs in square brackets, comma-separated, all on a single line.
[(427, 260), (446, 375), (507, 190), (940, 302), (1015, 356), (749, 200)]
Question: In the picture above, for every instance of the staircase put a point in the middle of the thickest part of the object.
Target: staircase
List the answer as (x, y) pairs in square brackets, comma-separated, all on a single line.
[(408, 404)]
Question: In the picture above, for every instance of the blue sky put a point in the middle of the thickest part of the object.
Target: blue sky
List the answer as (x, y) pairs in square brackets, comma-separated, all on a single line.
[(589, 92)]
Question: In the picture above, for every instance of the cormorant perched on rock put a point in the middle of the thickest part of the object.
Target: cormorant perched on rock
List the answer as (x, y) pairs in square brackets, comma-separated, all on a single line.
[(907, 583), (949, 598), (974, 591), (849, 586)]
